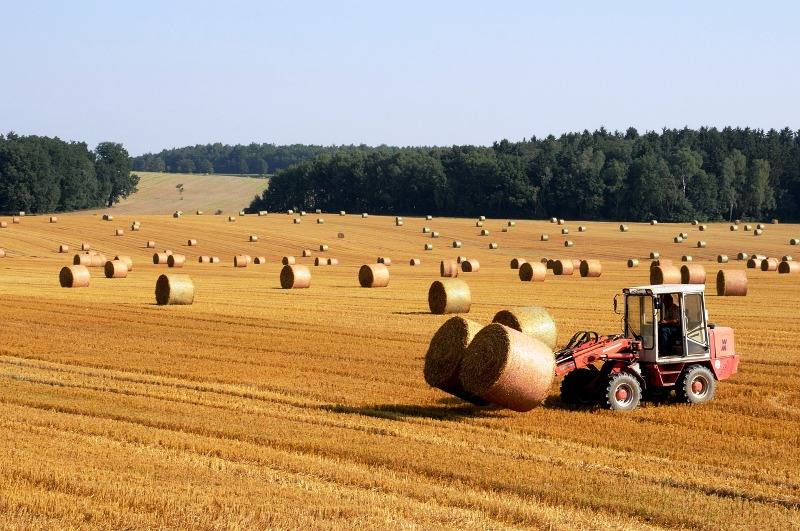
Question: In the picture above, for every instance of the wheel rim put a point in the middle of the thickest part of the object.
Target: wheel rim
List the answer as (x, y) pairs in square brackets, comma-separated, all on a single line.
[(700, 386), (624, 394)]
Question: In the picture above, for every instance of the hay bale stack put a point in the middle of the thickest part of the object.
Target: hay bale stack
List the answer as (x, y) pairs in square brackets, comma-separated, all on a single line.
[(493, 245), (532, 272), (174, 289), (259, 260), (373, 276), (450, 295), (191, 243), (565, 231), (569, 243), (591, 268), (633, 262), (484, 232), (176, 260), (63, 248), (722, 259), (75, 276), (732, 283), (323, 247), (333, 261), (734, 228), (544, 237), (470, 266), (119, 232), (623, 228), (516, 262), (428, 247), (665, 274), (126, 259), (414, 262), (53, 219), (655, 255), (769, 264), (456, 244), (253, 238), (385, 260), (693, 274), (116, 269), (563, 267), (86, 247), (701, 244), (507, 368), (288, 260), (295, 277), (686, 258), (306, 253), (448, 268), (150, 244), (204, 259), (534, 321), (445, 352), (789, 267)]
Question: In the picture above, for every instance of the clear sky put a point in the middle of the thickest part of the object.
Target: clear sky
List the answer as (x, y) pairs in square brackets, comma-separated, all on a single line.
[(154, 75)]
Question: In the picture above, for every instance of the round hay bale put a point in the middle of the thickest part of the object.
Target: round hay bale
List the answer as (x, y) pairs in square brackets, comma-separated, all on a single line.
[(373, 276), (702, 228), (653, 222), (3, 224), (479, 223), (684, 235), (553, 220), (174, 289), (769, 264), (760, 226), (288, 260), (623, 228), (581, 228), (429, 217), (414, 262), (253, 238), (150, 244), (748, 227), (176, 260), (398, 218), (318, 211), (686, 258), (633, 262), (116, 269), (742, 256), (732, 283), (364, 215), (135, 227), (737, 221), (511, 224), (516, 262), (385, 260), (563, 267), (333, 261), (450, 295), (231, 218), (119, 232), (204, 259), (722, 259), (470, 266), (302, 212), (565, 231), (86, 247), (2, 253), (655, 255), (456, 244), (82, 260), (758, 257), (544, 237), (693, 274), (342, 213), (15, 220), (75, 276), (661, 262), (126, 259), (63, 248), (701, 244), (789, 267), (241, 260), (290, 212), (508, 368), (428, 247), (665, 274), (434, 234), (306, 253), (295, 277), (53, 219), (482, 218), (426, 230), (260, 260), (200, 213), (734, 228), (752, 263), (215, 259), (775, 221), (484, 232), (296, 221), (191, 243), (534, 321), (794, 241), (320, 261), (448, 268), (560, 221), (445, 352), (786, 258), (398, 223), (677, 239), (320, 221), (695, 222), (758, 232), (323, 247), (591, 268), (340, 235), (532, 272), (569, 243), (493, 245)]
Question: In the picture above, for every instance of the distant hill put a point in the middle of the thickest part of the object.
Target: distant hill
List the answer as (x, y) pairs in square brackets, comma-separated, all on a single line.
[(158, 193)]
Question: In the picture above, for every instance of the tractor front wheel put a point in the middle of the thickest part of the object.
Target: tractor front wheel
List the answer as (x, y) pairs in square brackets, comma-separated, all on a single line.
[(623, 392), (578, 387), (696, 385)]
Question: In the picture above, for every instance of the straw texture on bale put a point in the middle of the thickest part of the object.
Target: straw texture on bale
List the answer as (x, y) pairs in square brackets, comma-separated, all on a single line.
[(516, 262), (722, 259), (470, 266), (534, 321), (769, 264), (414, 262), (544, 237), (63, 248), (116, 269), (174, 289), (75, 276), (449, 296), (176, 260), (373, 276), (563, 267), (532, 272), (789, 267), (259, 260), (693, 274), (732, 283), (493, 245), (666, 274), (295, 277), (508, 368), (633, 262), (127, 259), (384, 260), (446, 350), (241, 260), (591, 268), (448, 268)]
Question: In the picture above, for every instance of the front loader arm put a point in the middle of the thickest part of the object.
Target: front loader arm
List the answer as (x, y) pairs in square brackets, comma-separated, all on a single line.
[(585, 348)]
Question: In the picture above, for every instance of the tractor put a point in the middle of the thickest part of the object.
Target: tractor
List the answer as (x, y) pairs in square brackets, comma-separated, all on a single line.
[(667, 344)]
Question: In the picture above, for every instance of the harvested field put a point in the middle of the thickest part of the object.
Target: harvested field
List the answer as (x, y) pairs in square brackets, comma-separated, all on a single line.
[(257, 407)]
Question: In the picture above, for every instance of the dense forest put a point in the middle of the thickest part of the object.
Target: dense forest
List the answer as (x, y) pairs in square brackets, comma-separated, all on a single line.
[(40, 174), (707, 174)]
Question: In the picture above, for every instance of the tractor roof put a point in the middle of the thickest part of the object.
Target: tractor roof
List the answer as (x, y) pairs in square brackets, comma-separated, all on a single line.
[(658, 289)]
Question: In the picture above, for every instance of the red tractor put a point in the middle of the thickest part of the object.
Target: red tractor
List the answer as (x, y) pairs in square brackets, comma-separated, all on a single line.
[(667, 344)]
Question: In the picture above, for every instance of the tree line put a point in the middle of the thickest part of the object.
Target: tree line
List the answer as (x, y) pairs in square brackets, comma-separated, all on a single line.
[(40, 174), (674, 175)]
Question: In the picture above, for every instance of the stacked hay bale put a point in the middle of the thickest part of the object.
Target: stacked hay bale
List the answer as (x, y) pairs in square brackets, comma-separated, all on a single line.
[(444, 355)]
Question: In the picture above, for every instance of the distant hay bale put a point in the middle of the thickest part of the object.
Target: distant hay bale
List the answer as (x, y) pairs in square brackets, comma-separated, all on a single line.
[(655, 255), (702, 228), (126, 259), (504, 229), (722, 259), (295, 277), (373, 276), (534, 321), (320, 221), (516, 262), (786, 258), (320, 261), (758, 232), (701, 244), (428, 247), (734, 228), (176, 260), (340, 235), (150, 244), (448, 268), (414, 262), (296, 221), (260, 260), (553, 220), (493, 245), (241, 260), (3, 224), (318, 211), (333, 261), (693, 274), (742, 256), (204, 259), (532, 272), (565, 231), (581, 228), (426, 230), (398, 218), (591, 268), (385, 260), (253, 238), (560, 221), (323, 247), (794, 241), (429, 217), (200, 213), (684, 235), (665, 274), (231, 218), (752, 263), (695, 222), (456, 244), (775, 221), (86, 247), (563, 267), (769, 264), (290, 212), (737, 221), (22, 213), (398, 223), (485, 232), (470, 266), (445, 353), (479, 223), (748, 227), (677, 239), (215, 259), (342, 213), (116, 269), (569, 243), (174, 289), (191, 243), (789, 267), (450, 295), (53, 219), (108, 217), (508, 368), (177, 214), (364, 215), (89, 259), (75, 276), (167, 251), (758, 257), (732, 283), (686, 258), (434, 234), (511, 223), (15, 220), (306, 253), (482, 218), (63, 248), (135, 227), (653, 222), (623, 228), (760, 226), (544, 237), (633, 262)]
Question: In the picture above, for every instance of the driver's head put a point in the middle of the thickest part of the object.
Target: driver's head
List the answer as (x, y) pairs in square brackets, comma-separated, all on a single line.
[(666, 300)]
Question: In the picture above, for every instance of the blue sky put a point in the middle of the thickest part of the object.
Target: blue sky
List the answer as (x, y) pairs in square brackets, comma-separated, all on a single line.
[(154, 75)]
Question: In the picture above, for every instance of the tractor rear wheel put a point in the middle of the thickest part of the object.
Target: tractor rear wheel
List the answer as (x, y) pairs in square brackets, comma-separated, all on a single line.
[(623, 392), (696, 385), (578, 389)]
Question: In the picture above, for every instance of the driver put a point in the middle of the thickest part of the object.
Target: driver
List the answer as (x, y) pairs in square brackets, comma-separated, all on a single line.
[(669, 325)]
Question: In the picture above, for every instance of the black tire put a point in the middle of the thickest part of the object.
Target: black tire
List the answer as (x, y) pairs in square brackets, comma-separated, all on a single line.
[(696, 385), (623, 392), (577, 387)]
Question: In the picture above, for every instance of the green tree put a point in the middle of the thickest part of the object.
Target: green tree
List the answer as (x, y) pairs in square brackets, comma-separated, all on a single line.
[(113, 169)]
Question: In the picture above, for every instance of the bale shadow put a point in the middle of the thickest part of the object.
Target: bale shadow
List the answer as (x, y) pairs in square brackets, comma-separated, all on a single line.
[(412, 313), (402, 411)]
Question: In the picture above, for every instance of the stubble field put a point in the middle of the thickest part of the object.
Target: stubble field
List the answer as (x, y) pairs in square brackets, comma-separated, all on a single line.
[(260, 407)]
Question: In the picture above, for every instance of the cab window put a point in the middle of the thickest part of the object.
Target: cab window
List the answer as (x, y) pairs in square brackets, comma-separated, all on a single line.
[(694, 311), (639, 318)]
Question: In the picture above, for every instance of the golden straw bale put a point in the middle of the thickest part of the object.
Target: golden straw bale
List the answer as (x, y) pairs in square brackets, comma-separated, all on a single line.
[(75, 276), (373, 276), (449, 295), (174, 289), (295, 277), (534, 321)]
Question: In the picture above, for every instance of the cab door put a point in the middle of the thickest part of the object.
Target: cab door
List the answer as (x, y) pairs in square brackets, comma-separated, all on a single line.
[(695, 333)]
